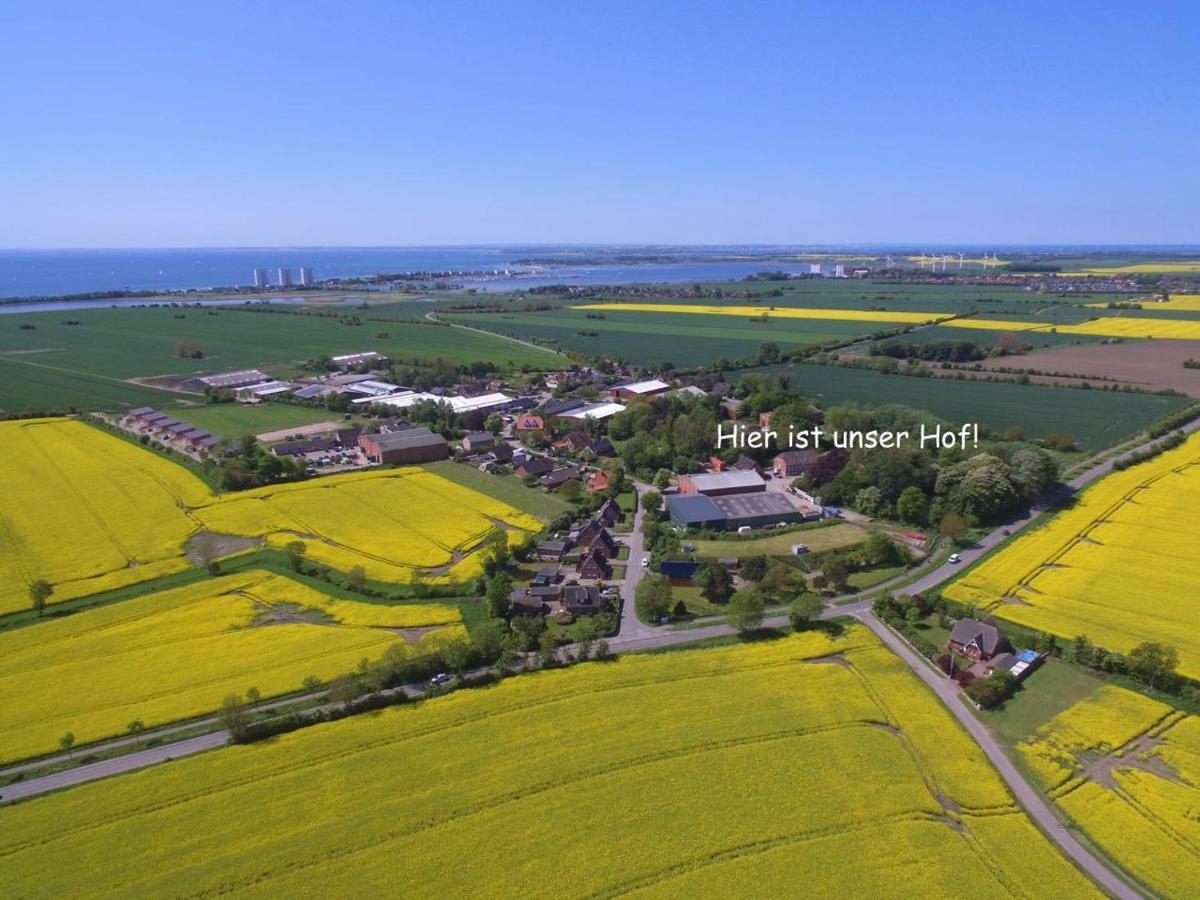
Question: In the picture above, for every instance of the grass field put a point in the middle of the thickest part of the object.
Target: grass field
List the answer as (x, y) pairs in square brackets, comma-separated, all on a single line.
[(1124, 768), (843, 769), (685, 340), (1119, 566), (1096, 419), (830, 537), (1049, 690), (236, 420), (57, 365), (89, 512), (509, 489), (174, 654)]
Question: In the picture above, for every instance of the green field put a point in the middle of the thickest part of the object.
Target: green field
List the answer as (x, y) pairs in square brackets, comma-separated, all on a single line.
[(830, 537), (235, 420), (507, 488), (1095, 419), (56, 365), (644, 338)]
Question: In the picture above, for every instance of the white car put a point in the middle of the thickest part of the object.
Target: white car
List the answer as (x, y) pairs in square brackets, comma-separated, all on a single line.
[(955, 558), (645, 562)]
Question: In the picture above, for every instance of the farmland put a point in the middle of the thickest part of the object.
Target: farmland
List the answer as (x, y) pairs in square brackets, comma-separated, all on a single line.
[(49, 364), (685, 340), (1151, 365), (128, 512), (1095, 419), (174, 654), (1124, 769), (1118, 566), (236, 420), (607, 750)]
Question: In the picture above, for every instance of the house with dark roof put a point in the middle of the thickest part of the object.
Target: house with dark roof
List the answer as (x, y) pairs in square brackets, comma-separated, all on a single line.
[(582, 599), (791, 463), (478, 441), (501, 453), (609, 513), (574, 441), (978, 640), (521, 602), (601, 447), (535, 467), (552, 550), (595, 536), (744, 464), (594, 565), (560, 477)]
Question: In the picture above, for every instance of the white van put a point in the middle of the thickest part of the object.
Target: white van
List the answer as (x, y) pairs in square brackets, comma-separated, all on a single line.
[(744, 529)]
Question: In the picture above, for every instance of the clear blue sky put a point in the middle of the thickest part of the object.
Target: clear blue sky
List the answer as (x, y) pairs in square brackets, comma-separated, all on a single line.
[(220, 124)]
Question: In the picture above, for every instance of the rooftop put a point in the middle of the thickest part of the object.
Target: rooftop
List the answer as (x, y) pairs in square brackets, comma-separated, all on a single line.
[(595, 411), (716, 481)]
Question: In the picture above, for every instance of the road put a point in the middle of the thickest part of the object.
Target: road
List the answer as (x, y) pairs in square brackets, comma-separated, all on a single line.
[(1028, 797), (630, 626)]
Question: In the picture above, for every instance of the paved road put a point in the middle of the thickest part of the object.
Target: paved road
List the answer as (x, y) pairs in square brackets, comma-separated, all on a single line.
[(630, 626), (1029, 798)]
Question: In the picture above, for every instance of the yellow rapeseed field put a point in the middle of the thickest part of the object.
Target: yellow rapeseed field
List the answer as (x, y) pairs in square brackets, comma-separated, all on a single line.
[(1185, 302), (1119, 566), (804, 764), (1125, 769), (992, 324), (1181, 267), (175, 654), (778, 312), (1130, 327), (89, 512)]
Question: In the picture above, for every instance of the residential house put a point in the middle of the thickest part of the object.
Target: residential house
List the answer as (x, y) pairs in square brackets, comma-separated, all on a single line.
[(594, 536), (501, 453), (978, 640), (791, 463), (552, 550), (745, 464), (479, 441), (594, 565), (547, 575), (559, 477), (574, 442), (527, 422), (535, 467), (598, 481), (601, 447), (523, 603), (582, 599), (609, 513)]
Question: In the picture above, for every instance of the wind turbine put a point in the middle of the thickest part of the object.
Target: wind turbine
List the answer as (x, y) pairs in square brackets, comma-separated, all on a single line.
[(960, 260)]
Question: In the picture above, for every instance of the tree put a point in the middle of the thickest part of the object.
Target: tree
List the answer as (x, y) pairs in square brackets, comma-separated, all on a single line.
[(295, 551), (652, 502), (311, 685), (653, 596), (1152, 662), (253, 697), (66, 742), (356, 579), (804, 609), (488, 638), (344, 689), (496, 547), (714, 581), (753, 568), (137, 726), (778, 583), (547, 649), (457, 656), (869, 501), (234, 717), (39, 593), (746, 610), (1082, 650), (499, 595), (571, 490), (838, 575), (912, 506), (585, 633), (953, 526)]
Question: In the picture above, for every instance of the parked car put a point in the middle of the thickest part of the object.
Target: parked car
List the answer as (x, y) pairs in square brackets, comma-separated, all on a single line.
[(645, 562)]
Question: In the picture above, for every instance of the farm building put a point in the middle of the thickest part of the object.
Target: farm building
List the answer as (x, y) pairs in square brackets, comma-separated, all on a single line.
[(227, 380), (638, 389), (350, 360), (590, 411), (791, 463), (717, 484), (411, 446), (728, 512)]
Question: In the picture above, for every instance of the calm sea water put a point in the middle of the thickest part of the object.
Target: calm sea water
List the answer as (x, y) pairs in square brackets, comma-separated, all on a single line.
[(49, 273)]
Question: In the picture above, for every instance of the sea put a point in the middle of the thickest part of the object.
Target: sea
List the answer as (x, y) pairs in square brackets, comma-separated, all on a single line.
[(55, 273)]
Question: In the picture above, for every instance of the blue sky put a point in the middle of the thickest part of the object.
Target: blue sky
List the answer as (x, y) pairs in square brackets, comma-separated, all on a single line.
[(212, 124)]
